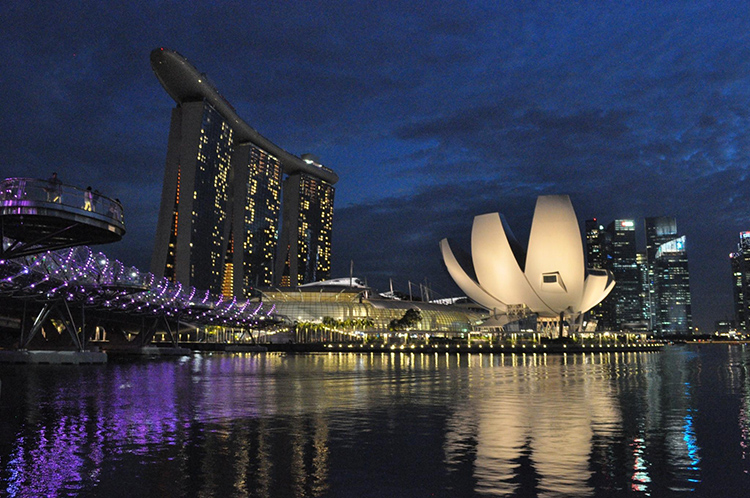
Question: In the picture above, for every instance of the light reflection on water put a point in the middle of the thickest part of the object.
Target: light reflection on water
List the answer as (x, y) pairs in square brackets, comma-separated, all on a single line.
[(652, 424)]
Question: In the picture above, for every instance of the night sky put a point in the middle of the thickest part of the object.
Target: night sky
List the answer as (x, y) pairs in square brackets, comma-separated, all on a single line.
[(430, 115)]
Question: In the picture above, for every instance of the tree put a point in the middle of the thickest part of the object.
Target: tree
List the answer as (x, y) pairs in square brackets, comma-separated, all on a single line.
[(410, 320)]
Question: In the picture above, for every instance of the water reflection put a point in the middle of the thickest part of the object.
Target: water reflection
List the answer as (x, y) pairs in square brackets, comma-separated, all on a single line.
[(377, 425), (737, 379), (534, 424)]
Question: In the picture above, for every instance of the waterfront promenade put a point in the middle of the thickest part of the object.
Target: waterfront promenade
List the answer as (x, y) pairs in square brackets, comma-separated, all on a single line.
[(464, 348), (185, 349)]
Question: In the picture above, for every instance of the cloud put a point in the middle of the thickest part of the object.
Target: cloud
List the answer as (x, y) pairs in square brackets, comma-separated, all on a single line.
[(430, 116)]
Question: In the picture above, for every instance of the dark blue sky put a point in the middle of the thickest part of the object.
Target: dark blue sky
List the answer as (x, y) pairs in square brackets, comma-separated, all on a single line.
[(430, 114)]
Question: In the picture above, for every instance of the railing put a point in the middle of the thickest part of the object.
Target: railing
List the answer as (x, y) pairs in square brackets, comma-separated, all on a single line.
[(16, 191)]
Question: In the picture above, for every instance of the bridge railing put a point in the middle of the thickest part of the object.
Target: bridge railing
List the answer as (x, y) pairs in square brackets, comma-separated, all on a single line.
[(20, 190)]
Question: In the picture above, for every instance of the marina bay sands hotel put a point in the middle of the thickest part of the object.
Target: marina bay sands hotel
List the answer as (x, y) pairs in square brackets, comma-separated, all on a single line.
[(237, 211)]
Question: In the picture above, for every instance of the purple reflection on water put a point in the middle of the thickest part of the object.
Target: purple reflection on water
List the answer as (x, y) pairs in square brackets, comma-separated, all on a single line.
[(62, 448), (51, 462), (353, 425)]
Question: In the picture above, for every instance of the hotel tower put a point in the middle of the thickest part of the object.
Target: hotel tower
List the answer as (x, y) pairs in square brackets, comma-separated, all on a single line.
[(237, 211)]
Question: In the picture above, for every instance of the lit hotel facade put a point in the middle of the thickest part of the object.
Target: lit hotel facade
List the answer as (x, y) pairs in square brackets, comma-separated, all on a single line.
[(230, 196)]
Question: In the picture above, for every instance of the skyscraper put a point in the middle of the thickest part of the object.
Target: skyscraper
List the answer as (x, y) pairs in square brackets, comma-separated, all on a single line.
[(659, 230), (599, 257), (306, 246), (595, 253), (641, 260), (219, 219), (191, 239), (652, 288), (740, 262), (625, 298), (257, 212), (672, 309), (669, 277)]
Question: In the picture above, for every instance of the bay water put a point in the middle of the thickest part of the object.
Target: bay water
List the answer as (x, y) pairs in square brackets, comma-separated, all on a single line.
[(669, 423)]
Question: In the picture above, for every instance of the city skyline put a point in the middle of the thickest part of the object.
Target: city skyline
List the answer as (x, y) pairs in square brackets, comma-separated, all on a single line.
[(653, 284), (429, 117)]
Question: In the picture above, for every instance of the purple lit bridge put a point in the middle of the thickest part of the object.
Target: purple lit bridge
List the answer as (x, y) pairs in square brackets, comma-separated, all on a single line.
[(84, 296)]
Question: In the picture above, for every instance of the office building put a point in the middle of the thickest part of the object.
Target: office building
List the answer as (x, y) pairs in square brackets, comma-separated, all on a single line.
[(598, 256), (659, 230), (641, 260), (671, 304), (669, 277), (740, 262), (595, 253), (653, 286), (224, 193), (625, 299)]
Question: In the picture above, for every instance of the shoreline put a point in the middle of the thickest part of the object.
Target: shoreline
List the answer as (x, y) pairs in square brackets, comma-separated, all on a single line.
[(462, 348), (186, 349)]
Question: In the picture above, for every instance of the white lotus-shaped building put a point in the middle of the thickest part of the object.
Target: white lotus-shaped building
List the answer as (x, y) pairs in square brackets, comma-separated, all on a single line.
[(550, 279)]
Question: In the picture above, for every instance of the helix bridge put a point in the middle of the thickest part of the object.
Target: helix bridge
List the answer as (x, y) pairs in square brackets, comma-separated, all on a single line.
[(52, 281), (72, 283)]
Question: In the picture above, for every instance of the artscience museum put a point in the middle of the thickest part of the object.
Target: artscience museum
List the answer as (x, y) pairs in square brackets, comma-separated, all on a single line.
[(548, 279)]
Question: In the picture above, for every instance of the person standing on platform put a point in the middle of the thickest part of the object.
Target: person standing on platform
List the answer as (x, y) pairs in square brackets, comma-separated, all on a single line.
[(88, 198), (54, 190), (97, 196), (115, 210)]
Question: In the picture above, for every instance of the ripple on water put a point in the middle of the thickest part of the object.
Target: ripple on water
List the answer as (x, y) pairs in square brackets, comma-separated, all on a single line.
[(347, 425)]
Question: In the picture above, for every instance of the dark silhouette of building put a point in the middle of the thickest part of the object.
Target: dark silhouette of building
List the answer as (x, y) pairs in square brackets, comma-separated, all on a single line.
[(221, 208), (599, 256)]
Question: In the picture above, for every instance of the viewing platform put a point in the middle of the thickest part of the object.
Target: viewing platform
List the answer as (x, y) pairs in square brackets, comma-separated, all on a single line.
[(46, 215)]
